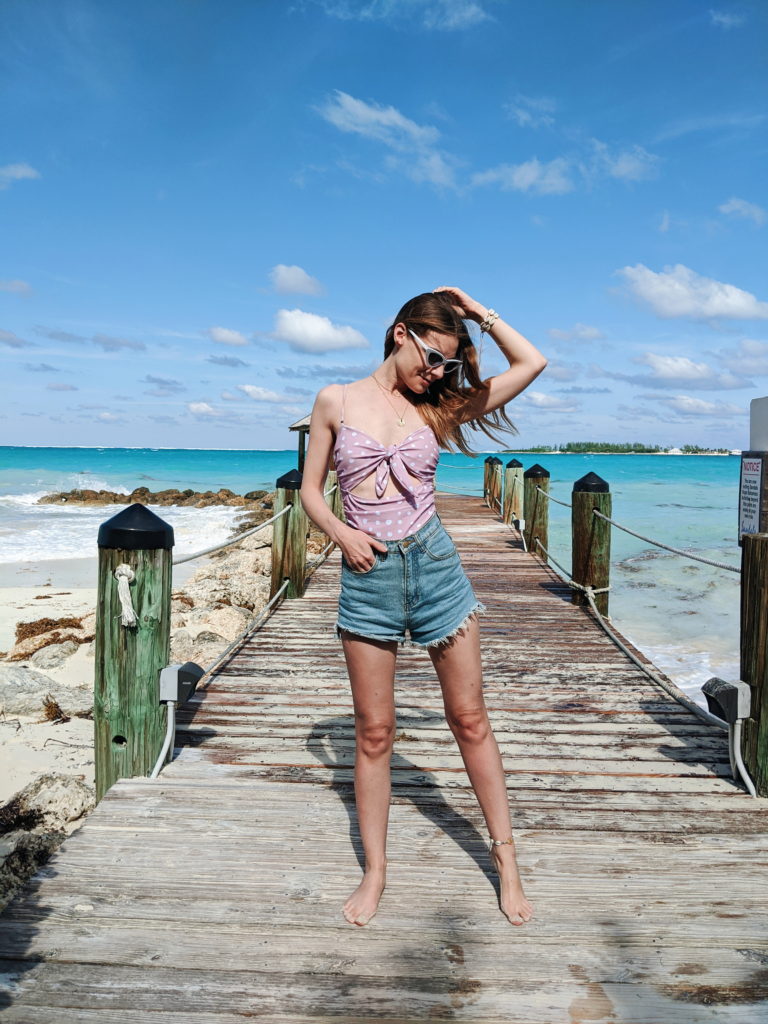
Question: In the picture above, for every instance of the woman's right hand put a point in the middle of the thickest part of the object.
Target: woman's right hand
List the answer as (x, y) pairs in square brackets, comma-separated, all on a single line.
[(359, 549)]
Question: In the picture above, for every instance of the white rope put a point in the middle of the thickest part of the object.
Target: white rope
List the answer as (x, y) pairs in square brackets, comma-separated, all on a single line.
[(551, 498), (125, 575), (246, 632), (234, 540), (330, 490), (571, 582), (321, 557), (667, 685), (677, 551)]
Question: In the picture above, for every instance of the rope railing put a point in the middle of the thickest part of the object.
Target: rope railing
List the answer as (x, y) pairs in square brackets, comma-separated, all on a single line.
[(667, 547), (250, 628), (321, 557), (233, 540), (551, 497), (667, 685), (330, 490)]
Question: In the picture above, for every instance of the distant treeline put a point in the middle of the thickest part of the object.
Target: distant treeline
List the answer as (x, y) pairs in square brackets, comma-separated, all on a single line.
[(625, 448)]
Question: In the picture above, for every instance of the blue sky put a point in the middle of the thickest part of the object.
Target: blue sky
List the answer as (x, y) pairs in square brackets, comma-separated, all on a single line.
[(210, 210)]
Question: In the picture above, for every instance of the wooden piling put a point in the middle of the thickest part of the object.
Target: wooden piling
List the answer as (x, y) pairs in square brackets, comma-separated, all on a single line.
[(128, 719), (495, 483), (334, 500), (513, 491), (754, 654), (289, 537), (591, 539), (487, 479), (536, 508)]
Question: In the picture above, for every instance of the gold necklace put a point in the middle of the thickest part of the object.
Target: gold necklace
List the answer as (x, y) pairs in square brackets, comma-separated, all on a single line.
[(400, 419)]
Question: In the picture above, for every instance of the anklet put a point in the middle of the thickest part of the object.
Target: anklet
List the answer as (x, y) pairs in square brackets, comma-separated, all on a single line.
[(500, 842)]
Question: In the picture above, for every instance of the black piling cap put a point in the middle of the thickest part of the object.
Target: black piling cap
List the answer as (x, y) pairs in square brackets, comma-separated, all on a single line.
[(494, 460), (489, 459), (136, 528), (536, 470), (290, 481), (514, 464), (591, 483)]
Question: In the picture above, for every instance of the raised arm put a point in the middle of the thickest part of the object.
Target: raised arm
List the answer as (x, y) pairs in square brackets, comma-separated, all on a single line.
[(525, 360), (355, 544)]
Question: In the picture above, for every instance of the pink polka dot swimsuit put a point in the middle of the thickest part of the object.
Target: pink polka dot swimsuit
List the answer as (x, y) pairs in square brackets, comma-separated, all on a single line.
[(357, 455)]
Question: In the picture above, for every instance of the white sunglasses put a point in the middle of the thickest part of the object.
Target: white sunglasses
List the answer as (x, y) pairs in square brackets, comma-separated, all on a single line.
[(435, 358)]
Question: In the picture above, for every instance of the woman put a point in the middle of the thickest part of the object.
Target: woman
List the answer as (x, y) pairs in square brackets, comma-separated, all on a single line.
[(400, 571)]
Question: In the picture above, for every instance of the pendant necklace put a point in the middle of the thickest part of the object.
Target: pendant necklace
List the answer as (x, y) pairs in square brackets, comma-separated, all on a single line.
[(400, 418)]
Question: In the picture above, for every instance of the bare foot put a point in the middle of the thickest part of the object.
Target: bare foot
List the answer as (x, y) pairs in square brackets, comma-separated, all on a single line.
[(364, 901), (512, 900)]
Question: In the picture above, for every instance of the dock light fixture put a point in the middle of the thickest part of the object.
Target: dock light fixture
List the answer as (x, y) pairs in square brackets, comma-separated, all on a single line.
[(730, 702), (177, 684)]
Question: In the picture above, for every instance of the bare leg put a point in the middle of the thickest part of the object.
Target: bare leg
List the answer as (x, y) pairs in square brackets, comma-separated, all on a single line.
[(371, 667), (460, 673)]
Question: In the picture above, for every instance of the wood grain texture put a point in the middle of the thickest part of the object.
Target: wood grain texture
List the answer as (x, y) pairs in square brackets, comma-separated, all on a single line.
[(213, 894)]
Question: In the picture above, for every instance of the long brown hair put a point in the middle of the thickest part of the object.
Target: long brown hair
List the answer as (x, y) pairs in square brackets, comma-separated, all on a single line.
[(445, 402)]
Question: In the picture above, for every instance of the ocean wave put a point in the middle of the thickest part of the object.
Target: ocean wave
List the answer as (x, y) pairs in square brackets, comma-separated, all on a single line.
[(46, 532)]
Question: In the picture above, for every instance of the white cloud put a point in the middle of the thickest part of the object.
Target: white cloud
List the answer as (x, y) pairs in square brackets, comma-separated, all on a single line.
[(13, 340), (308, 332), (741, 208), (413, 146), (224, 336), (110, 344), (227, 361), (676, 370), (548, 402), (16, 172), (725, 19), (57, 386), (202, 410), (294, 280), (686, 405), (532, 176), (109, 417), (385, 124), (443, 15), (749, 357), (531, 111), (259, 394), (664, 223), (633, 164), (679, 291), (16, 286), (579, 332), (562, 371)]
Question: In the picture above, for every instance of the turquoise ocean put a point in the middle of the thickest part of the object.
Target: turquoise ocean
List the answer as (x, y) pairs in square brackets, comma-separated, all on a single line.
[(682, 614)]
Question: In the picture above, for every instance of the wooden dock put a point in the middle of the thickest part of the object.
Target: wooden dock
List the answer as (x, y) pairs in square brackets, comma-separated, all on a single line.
[(213, 894)]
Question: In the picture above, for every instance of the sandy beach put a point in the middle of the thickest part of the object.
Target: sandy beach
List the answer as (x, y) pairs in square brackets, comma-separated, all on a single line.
[(46, 761)]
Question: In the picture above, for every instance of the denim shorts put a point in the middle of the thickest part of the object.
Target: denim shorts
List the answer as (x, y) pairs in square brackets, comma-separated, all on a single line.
[(417, 587)]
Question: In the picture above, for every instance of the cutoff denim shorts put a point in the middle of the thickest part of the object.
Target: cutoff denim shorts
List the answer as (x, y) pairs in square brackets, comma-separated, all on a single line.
[(417, 587)]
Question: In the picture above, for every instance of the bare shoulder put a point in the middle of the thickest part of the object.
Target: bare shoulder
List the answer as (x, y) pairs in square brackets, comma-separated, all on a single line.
[(327, 405)]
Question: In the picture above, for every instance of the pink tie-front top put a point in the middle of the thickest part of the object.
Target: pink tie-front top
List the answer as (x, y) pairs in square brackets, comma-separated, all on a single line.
[(357, 455)]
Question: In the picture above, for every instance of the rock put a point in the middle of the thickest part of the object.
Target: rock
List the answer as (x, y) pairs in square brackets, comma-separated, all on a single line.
[(24, 650), (22, 690), (53, 655), (181, 647), (34, 822), (225, 623)]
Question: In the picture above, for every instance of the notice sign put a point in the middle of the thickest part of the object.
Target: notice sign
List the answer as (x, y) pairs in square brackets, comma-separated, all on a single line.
[(749, 494)]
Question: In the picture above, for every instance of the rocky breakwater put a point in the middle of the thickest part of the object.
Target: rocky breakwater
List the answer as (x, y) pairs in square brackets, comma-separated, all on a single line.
[(170, 496), (46, 678)]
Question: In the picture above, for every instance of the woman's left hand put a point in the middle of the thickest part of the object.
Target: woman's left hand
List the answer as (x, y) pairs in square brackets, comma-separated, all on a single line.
[(466, 307)]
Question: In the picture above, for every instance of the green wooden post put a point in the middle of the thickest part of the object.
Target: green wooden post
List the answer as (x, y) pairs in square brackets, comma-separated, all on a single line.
[(536, 508), (487, 479), (513, 491), (128, 719), (591, 539), (334, 500), (494, 483), (289, 537), (754, 654)]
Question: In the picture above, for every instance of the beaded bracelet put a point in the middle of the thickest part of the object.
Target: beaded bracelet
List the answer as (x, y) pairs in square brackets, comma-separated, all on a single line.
[(489, 321)]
